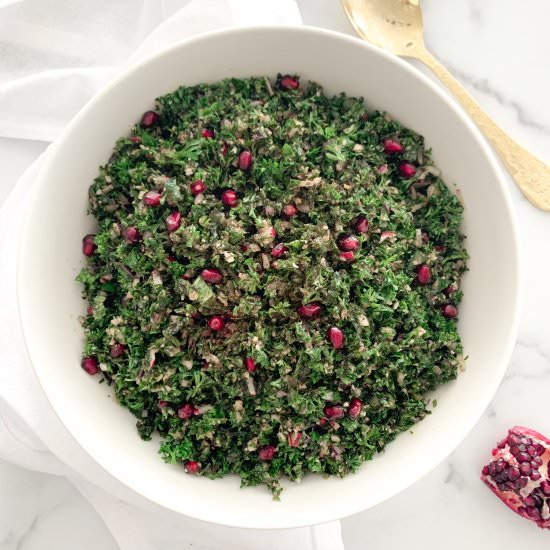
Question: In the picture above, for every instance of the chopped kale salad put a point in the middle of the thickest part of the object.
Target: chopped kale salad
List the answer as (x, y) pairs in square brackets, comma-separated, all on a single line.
[(274, 283)]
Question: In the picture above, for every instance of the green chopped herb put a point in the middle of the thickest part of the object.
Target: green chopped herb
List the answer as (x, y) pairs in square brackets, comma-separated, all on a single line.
[(315, 214)]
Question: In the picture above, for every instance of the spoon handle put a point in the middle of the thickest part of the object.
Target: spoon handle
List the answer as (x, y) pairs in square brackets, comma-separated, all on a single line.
[(530, 173)]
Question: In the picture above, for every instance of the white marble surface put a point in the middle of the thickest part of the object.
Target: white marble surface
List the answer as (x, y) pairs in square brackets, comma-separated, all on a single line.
[(499, 50)]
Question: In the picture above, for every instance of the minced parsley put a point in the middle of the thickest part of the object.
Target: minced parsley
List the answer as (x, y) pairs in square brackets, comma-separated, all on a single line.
[(274, 281)]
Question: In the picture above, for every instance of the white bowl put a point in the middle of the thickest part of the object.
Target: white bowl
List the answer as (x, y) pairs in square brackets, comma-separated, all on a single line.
[(50, 258)]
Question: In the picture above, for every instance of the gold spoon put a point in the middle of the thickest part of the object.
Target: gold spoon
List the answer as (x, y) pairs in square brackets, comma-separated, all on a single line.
[(396, 26)]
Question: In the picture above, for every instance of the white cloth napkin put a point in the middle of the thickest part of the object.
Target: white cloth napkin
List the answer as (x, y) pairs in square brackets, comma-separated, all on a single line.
[(82, 45)]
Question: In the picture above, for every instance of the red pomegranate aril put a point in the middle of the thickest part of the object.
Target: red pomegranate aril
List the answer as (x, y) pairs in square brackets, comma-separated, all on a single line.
[(186, 411), (207, 133), (294, 439), (245, 161), (310, 310), (407, 170), (90, 310), (278, 250), (151, 198), (347, 256), (333, 412), (135, 139), (449, 311), (116, 350), (335, 337), (88, 245), (229, 198), (392, 146), (354, 409), (212, 275), (197, 187), (131, 234), (288, 82), (192, 467), (348, 243), (173, 221), (149, 118), (289, 211), (250, 364), (266, 453), (361, 224), (90, 365), (423, 275), (215, 323), (523, 485)]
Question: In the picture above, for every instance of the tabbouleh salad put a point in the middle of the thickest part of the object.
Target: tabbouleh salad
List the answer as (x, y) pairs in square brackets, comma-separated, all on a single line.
[(274, 281)]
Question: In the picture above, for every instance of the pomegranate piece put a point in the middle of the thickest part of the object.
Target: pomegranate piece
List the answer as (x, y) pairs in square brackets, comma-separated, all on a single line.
[(348, 256), (207, 133), (229, 198), (361, 224), (348, 243), (294, 439), (149, 118), (335, 337), (392, 146), (197, 187), (289, 211), (212, 275), (354, 408), (245, 160), (131, 234), (173, 221), (278, 250), (288, 82), (309, 311), (333, 412), (215, 323), (407, 170), (90, 365), (266, 453), (250, 364), (518, 474), (423, 275), (116, 350), (449, 311), (187, 410), (151, 198), (88, 245)]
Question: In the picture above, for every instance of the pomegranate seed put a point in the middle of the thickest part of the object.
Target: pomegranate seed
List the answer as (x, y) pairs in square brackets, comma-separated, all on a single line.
[(333, 412), (192, 467), (90, 365), (131, 234), (266, 453), (272, 232), (310, 310), (186, 411), (347, 256), (354, 409), (162, 404), (244, 247), (423, 275), (361, 224), (116, 350), (151, 198), (173, 221), (288, 82), (453, 287), (348, 243), (197, 187), (245, 160), (322, 421), (392, 146), (407, 170), (294, 439), (88, 245), (223, 150), (289, 211), (212, 275), (90, 310), (207, 133), (216, 323), (335, 337), (250, 364), (149, 118), (278, 250), (135, 139), (229, 198), (449, 311)]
